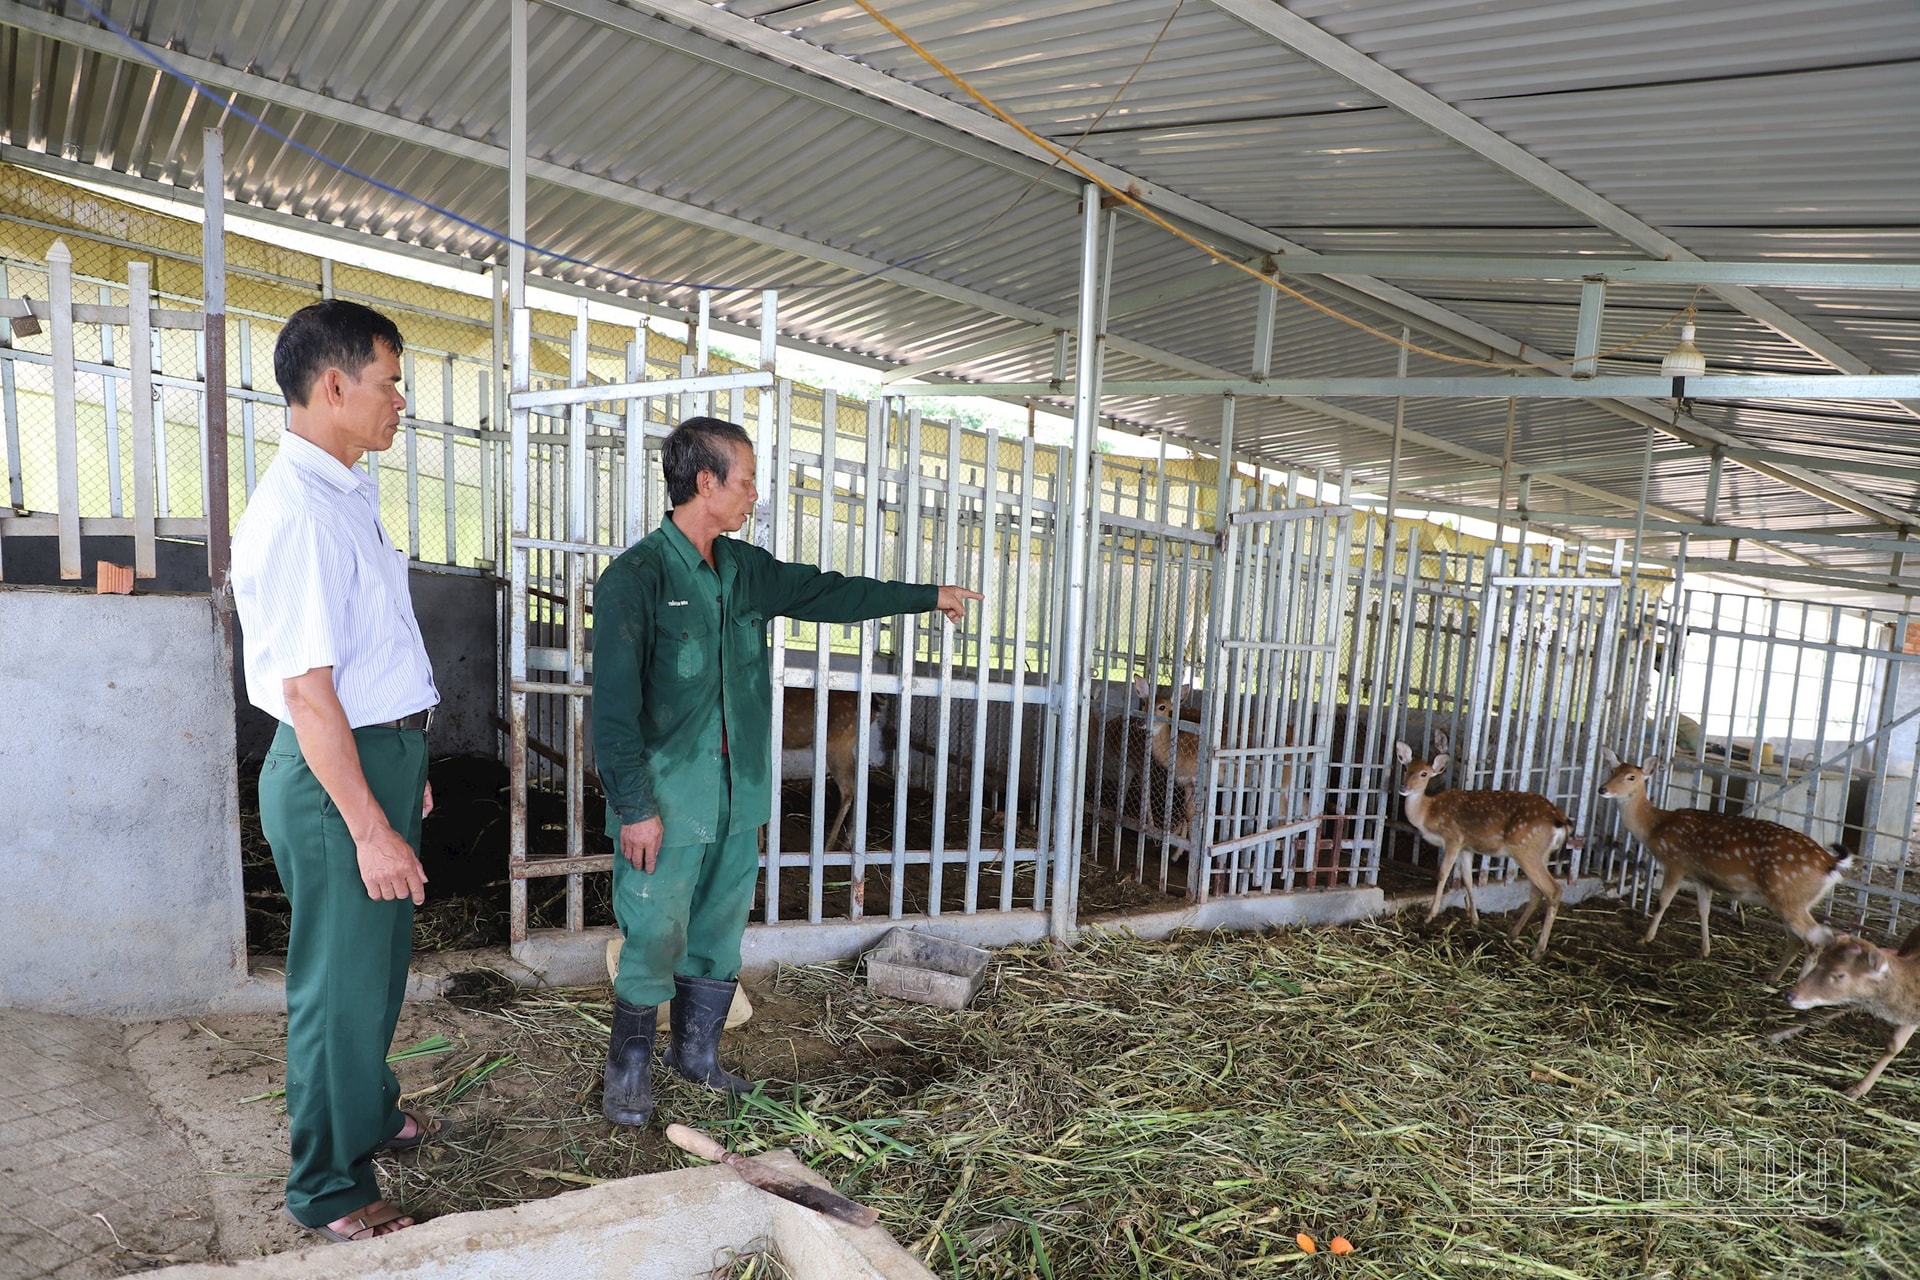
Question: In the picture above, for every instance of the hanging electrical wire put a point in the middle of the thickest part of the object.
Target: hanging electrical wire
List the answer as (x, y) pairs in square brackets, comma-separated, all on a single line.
[(230, 105), (1060, 157)]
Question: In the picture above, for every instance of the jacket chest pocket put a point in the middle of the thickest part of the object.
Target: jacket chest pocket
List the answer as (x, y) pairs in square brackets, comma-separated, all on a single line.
[(688, 644)]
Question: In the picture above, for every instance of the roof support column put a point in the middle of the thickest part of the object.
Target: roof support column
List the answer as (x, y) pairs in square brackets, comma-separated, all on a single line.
[(1069, 657), (517, 154), (213, 266)]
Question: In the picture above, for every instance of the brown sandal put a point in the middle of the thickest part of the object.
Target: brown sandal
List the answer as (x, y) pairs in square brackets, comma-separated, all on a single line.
[(424, 1127), (369, 1223)]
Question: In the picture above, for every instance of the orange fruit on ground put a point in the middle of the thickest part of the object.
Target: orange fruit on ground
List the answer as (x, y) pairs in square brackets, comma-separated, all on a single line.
[(1306, 1243), (1340, 1244)]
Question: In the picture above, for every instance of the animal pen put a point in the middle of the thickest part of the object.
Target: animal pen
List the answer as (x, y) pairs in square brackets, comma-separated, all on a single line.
[(1286, 637)]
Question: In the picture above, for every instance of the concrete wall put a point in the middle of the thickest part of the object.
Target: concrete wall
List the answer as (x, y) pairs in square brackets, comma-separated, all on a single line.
[(456, 613), (673, 1225), (457, 620), (120, 832)]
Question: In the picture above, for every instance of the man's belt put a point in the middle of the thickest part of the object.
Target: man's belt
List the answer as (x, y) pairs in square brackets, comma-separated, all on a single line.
[(421, 720)]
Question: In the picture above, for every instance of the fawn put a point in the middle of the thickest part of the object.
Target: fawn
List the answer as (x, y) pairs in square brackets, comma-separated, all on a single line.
[(1176, 748), (1853, 972), (1748, 859), (1514, 824), (843, 744)]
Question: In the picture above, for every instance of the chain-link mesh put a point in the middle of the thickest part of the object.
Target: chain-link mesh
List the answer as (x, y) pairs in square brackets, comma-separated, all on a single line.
[(439, 490)]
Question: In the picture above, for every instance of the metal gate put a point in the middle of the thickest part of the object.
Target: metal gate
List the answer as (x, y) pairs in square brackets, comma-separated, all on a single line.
[(963, 717), (1280, 591), (1525, 676), (1543, 699)]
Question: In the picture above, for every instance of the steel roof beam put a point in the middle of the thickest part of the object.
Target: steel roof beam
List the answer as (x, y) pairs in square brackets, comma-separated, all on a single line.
[(701, 16), (1798, 274), (1824, 387), (1341, 58), (1676, 528), (1309, 41), (724, 29), (99, 39), (717, 24)]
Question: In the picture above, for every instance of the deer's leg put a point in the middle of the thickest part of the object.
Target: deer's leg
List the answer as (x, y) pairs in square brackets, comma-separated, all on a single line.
[(842, 762), (1703, 898), (1795, 947), (1669, 889), (1526, 913), (1466, 885), (840, 817), (1448, 857), (1544, 889), (1901, 1035), (1807, 932)]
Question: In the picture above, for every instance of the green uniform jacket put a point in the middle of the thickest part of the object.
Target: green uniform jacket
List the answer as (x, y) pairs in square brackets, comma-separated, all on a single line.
[(678, 649)]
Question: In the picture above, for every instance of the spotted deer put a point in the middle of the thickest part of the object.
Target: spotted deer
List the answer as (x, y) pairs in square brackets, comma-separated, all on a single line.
[(843, 744), (1513, 824), (1852, 973), (1176, 748), (1750, 860)]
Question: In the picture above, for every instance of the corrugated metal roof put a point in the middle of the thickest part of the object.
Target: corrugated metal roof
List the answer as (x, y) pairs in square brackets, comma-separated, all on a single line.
[(1740, 129)]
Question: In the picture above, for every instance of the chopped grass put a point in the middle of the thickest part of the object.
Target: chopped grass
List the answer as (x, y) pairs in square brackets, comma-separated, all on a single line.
[(1188, 1108)]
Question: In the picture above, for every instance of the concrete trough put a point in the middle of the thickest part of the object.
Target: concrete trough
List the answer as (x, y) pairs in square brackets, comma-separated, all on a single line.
[(677, 1225)]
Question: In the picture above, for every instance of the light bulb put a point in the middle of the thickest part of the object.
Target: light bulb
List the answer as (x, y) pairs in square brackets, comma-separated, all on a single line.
[(1685, 360)]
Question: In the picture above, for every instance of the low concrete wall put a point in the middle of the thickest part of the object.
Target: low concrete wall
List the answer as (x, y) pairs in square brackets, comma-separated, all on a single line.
[(456, 611), (663, 1226), (556, 958), (120, 834)]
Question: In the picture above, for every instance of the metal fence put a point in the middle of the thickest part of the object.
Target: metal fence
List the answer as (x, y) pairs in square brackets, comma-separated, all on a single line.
[(1266, 735), (1275, 656), (1807, 715), (961, 715)]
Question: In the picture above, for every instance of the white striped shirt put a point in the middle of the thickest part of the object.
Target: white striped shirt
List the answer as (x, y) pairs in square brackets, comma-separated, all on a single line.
[(318, 584)]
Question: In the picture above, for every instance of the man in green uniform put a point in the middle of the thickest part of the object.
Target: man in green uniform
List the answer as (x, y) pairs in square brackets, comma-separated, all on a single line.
[(682, 719)]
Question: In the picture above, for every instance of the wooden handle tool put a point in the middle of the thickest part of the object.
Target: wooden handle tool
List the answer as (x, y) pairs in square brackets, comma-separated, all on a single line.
[(819, 1199)]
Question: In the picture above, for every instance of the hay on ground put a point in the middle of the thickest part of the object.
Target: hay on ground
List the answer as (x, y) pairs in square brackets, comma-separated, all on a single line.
[(1191, 1108)]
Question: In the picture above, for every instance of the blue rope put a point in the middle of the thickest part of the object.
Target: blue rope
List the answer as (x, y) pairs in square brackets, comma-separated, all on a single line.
[(229, 104)]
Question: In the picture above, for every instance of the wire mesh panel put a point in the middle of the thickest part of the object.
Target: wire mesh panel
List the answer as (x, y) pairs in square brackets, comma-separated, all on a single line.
[(1146, 635)]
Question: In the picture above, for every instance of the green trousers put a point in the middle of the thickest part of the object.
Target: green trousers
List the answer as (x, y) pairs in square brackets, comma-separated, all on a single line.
[(346, 968), (687, 917)]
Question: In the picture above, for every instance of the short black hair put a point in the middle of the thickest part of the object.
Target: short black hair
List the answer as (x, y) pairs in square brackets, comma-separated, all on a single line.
[(696, 445), (334, 334)]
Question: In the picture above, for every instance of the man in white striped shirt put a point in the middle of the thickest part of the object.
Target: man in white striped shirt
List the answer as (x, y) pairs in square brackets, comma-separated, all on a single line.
[(334, 654)]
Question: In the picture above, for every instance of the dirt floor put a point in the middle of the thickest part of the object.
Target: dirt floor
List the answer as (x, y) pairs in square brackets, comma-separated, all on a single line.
[(1187, 1108)]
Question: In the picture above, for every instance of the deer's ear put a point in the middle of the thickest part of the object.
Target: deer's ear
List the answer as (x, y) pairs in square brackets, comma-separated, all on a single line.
[(1403, 753), (1442, 741), (1609, 759), (1141, 688), (1440, 762), (1652, 766)]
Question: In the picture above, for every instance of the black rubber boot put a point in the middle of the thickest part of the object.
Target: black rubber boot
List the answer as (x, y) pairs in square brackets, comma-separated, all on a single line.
[(628, 1097), (699, 1013)]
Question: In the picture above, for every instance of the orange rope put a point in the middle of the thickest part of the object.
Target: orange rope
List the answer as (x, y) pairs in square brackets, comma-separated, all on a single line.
[(1153, 216)]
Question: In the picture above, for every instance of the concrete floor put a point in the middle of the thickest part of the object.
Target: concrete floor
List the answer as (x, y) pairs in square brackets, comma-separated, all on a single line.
[(123, 1147), (129, 1147), (93, 1181)]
